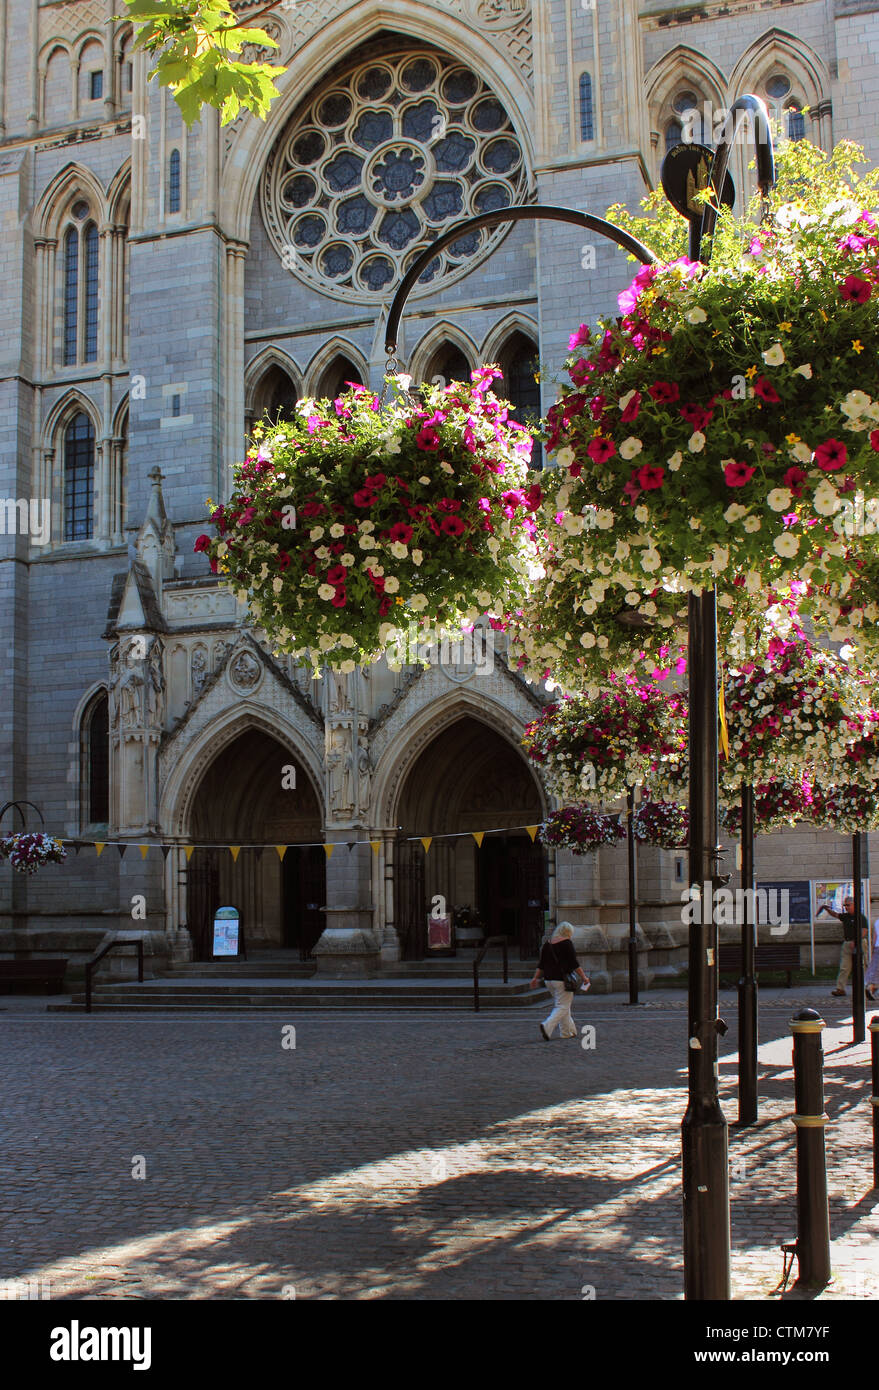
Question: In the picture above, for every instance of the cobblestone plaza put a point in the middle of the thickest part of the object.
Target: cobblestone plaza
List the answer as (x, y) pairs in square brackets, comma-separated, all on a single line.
[(418, 1158)]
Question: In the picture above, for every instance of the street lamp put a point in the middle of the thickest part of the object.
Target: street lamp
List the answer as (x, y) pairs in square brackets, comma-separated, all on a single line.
[(704, 1130)]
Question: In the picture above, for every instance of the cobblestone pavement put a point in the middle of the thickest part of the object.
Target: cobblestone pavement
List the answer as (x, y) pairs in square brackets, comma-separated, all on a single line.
[(416, 1157)]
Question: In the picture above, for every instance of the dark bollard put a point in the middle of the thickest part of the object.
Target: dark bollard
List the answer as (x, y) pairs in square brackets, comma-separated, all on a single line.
[(813, 1215), (874, 1044)]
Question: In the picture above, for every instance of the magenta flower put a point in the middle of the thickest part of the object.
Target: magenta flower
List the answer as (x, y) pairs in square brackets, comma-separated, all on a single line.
[(632, 407), (340, 597), (765, 390), (794, 479), (428, 439), (650, 478), (364, 498), (202, 543), (452, 525), (581, 336), (874, 440), (737, 474), (337, 575), (855, 290), (831, 455), (601, 449), (697, 416), (400, 532), (664, 391)]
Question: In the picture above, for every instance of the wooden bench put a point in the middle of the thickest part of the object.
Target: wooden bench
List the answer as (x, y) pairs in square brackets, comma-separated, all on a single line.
[(776, 956), (49, 972)]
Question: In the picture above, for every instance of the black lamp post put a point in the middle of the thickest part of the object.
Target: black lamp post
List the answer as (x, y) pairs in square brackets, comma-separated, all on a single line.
[(704, 1131)]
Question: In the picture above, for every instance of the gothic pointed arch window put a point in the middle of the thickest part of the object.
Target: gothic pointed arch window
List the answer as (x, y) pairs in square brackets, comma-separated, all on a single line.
[(519, 360), (587, 116), (275, 395), (447, 363), (796, 123), (80, 286), (94, 763), (79, 478), (335, 377), (174, 181)]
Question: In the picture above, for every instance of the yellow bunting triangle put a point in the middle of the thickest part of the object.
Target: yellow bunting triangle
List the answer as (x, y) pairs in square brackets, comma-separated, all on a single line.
[(426, 840), (376, 846), (479, 836), (721, 715), (144, 851), (328, 850), (99, 847), (234, 850), (281, 851), (532, 830), (188, 851)]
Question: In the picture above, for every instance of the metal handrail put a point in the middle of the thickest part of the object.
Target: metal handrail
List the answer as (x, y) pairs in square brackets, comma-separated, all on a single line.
[(136, 941), (489, 941)]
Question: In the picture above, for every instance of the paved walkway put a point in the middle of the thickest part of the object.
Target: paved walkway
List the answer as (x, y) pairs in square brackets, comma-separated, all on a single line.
[(452, 1157)]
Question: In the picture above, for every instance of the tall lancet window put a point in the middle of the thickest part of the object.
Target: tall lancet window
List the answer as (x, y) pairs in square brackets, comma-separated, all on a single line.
[(587, 119)]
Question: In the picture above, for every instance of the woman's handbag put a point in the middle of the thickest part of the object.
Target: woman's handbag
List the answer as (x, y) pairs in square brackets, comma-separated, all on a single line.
[(572, 982)]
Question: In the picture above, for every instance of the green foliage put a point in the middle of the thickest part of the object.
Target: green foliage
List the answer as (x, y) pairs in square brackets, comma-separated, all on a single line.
[(193, 44)]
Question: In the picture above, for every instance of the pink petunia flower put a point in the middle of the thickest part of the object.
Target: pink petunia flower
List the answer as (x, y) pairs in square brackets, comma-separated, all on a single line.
[(340, 597), (855, 290), (428, 439), (601, 449), (650, 477), (874, 440), (794, 479), (363, 498), (337, 575), (665, 391), (400, 532), (831, 455), (737, 474), (453, 525), (765, 390)]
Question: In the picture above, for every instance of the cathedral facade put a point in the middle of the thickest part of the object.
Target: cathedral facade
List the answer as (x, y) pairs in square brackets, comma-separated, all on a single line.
[(167, 287)]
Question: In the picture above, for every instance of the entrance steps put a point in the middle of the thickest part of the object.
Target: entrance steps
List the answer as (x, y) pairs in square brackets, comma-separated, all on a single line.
[(192, 993)]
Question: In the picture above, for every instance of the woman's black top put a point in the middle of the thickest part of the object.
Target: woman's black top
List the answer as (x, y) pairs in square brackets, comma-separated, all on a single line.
[(558, 959)]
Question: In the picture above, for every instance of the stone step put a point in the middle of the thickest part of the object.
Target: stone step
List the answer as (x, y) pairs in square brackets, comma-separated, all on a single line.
[(201, 994)]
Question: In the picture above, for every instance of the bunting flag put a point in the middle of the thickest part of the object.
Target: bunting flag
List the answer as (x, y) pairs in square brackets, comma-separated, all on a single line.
[(144, 851), (351, 844), (479, 836), (281, 851), (166, 850), (328, 850), (122, 849), (235, 850), (721, 715), (532, 830), (99, 847), (258, 850), (187, 850), (426, 840), (376, 846)]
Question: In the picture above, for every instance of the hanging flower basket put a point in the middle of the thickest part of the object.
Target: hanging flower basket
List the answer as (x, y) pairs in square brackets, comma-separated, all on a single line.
[(662, 823), (846, 809), (353, 520), (802, 711), (717, 430), (777, 803), (29, 851), (581, 829), (596, 747)]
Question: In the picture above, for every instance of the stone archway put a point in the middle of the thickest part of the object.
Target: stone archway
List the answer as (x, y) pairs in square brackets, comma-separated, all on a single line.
[(242, 800), (468, 779)]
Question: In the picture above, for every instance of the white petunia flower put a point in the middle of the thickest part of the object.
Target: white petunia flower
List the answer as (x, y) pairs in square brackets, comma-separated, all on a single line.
[(315, 533), (399, 550), (418, 603), (805, 369), (779, 499), (696, 315), (734, 512), (642, 514), (801, 452), (366, 527), (392, 584), (366, 543), (418, 555), (676, 460), (751, 524), (337, 530), (587, 639), (787, 544), (326, 591), (696, 442), (826, 499), (650, 561), (630, 447), (774, 356), (565, 456), (855, 404)]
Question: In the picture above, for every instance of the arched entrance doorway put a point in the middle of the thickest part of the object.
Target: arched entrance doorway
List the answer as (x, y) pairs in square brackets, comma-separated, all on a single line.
[(242, 800), (469, 778)]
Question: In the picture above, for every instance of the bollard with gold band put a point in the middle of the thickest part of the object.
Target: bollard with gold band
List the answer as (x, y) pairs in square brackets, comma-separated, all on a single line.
[(813, 1215), (874, 1046)]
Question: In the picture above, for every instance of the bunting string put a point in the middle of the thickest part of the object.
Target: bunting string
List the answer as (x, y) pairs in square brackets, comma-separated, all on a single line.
[(77, 843)]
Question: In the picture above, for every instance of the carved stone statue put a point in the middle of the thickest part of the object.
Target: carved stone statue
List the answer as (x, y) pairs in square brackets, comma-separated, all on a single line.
[(338, 693), (364, 772), (156, 687), (346, 799), (130, 700)]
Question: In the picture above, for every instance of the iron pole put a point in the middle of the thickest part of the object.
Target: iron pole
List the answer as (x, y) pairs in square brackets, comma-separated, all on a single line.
[(859, 1029), (748, 983), (633, 891)]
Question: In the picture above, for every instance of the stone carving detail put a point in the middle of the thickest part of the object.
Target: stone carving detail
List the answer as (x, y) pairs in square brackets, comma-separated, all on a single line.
[(220, 650), (199, 670), (69, 21), (259, 53), (155, 687), (245, 671), (364, 772), (500, 14)]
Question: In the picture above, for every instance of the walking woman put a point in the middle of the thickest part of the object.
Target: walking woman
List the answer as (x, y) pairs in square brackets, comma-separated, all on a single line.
[(558, 960)]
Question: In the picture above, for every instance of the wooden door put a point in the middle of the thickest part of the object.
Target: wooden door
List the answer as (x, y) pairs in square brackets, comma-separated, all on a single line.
[(304, 882)]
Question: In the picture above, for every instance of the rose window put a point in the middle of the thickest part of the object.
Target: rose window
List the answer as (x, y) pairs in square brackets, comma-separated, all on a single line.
[(382, 161)]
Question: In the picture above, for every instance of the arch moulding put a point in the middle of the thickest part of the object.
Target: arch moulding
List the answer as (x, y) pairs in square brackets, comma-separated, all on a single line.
[(179, 790), (416, 732)]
